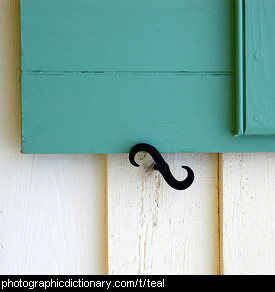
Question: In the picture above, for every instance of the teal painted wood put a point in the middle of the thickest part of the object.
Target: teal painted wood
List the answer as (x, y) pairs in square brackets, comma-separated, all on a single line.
[(190, 113), (258, 71), (116, 111), (101, 76), (239, 56), (125, 35)]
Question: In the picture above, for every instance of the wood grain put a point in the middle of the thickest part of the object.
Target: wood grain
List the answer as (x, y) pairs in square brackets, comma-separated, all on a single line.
[(154, 229)]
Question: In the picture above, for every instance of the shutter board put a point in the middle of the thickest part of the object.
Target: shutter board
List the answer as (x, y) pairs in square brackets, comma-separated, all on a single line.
[(106, 35), (122, 112), (80, 124), (255, 74)]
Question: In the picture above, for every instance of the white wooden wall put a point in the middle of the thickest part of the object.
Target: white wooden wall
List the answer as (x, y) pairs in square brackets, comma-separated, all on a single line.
[(52, 207), (93, 214)]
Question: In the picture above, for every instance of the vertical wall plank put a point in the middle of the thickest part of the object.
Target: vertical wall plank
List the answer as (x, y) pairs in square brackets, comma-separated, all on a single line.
[(154, 229), (52, 207), (248, 216)]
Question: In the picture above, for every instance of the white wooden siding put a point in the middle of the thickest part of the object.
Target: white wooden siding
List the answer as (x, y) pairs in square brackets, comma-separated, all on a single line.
[(248, 215), (154, 229), (52, 207)]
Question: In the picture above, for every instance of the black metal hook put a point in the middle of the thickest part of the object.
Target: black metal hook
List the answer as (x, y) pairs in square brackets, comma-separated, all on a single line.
[(162, 166)]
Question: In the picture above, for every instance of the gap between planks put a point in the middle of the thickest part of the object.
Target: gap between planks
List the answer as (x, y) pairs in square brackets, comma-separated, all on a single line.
[(220, 212), (42, 72)]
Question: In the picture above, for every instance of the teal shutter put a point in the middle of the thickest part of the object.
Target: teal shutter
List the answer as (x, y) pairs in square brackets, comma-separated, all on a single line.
[(98, 76)]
